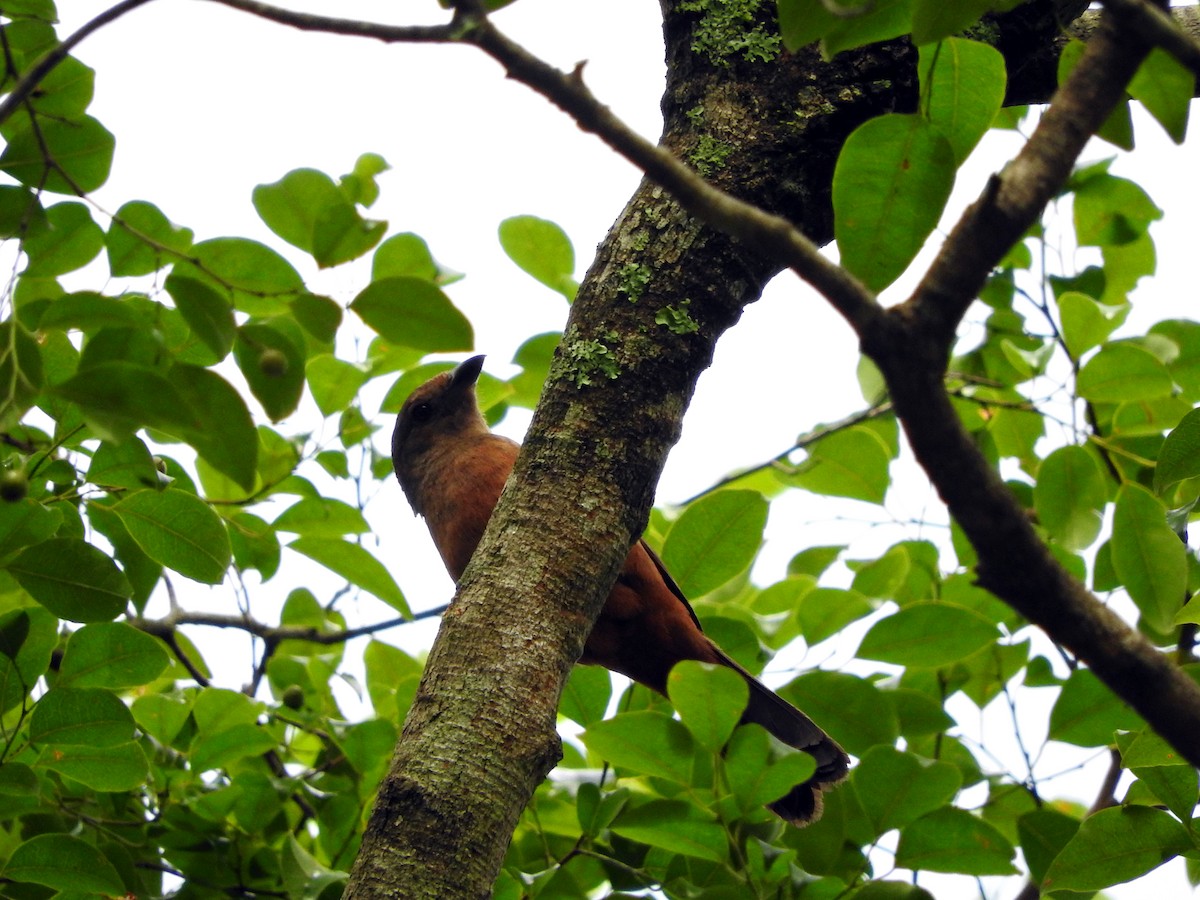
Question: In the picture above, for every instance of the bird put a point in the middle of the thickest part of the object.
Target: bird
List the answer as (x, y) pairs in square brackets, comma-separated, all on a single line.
[(452, 469)]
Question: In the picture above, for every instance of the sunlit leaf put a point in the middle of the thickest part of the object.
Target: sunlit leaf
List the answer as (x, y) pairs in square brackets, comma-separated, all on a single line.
[(714, 540)]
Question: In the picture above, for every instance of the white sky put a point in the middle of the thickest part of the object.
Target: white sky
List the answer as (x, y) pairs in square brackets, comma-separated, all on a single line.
[(207, 102)]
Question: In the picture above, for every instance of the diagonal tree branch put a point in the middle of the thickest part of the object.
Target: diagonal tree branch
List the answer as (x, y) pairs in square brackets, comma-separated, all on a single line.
[(1156, 26)]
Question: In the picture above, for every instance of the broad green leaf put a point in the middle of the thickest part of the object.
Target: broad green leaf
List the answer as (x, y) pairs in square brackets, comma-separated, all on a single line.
[(111, 655), (823, 612), (357, 566), (542, 250), (1179, 457), (322, 517), (643, 743), (142, 240), (802, 22), (815, 560), (28, 637), (851, 709), (1147, 749), (66, 90), (178, 530), (1164, 86), (407, 255), (290, 207), (414, 313), (214, 750), (81, 151), (88, 716), (273, 365), (257, 280), (18, 780), (1070, 496), (1123, 372), (226, 437), (933, 20), (1087, 713), (586, 694), (334, 383), (1148, 557), (69, 240), (128, 465), (851, 463), (254, 543), (928, 635), (755, 778), (953, 840), (63, 863), (319, 319), (341, 234), (118, 398), (892, 180), (1112, 210), (709, 699), (26, 522), (207, 312), (962, 86), (1116, 845), (20, 372), (895, 788), (161, 716), (1043, 833), (675, 826), (716, 538), (1085, 322), (72, 579), (122, 767), (878, 21)]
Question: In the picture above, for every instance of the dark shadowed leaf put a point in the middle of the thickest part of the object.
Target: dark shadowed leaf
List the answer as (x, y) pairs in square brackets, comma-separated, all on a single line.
[(896, 788), (72, 579), (63, 863), (88, 716)]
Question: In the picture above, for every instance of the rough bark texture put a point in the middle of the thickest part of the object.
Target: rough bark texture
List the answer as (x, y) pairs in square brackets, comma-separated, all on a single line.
[(481, 732)]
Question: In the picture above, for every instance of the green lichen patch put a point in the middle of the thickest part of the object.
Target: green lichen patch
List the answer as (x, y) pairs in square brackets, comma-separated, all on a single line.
[(590, 359), (709, 155), (632, 279), (677, 319), (729, 29)]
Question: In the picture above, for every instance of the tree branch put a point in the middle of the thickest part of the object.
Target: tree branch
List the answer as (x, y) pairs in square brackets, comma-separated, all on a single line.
[(1156, 26)]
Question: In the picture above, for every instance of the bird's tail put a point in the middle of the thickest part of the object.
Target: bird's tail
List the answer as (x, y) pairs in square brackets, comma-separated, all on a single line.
[(802, 804)]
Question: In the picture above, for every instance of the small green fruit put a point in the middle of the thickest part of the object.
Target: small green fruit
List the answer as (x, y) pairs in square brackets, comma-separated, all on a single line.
[(272, 363)]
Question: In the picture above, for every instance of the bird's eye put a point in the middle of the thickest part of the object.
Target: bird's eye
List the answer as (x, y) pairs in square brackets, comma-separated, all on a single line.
[(422, 412)]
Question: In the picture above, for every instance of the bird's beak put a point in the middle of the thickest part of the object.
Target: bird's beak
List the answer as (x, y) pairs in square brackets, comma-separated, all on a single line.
[(466, 373)]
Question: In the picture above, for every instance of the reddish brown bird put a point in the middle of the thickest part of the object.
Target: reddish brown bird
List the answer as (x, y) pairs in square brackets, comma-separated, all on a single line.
[(452, 470)]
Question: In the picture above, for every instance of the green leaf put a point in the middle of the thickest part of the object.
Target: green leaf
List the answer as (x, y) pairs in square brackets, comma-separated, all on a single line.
[(407, 255), (88, 716), (81, 151), (72, 579), (852, 709), (1123, 372), (1116, 845), (754, 777), (953, 840), (214, 750), (334, 383), (207, 312), (66, 91), (142, 240), (962, 85), (1148, 557), (322, 517), (1085, 322), (1070, 496), (26, 522), (63, 863), (18, 780), (895, 788), (254, 543), (1111, 210), (851, 463), (111, 655), (586, 694), (802, 22), (1179, 458), (273, 365), (257, 280), (879, 20), (123, 767), (118, 398), (709, 699), (128, 464), (892, 180), (178, 530), (341, 234), (357, 566), (225, 438), (1043, 833), (542, 250), (414, 313), (674, 826), (1087, 713), (928, 635), (714, 540), (69, 240), (933, 20), (823, 612), (20, 372), (643, 743), (290, 207), (1164, 86), (28, 637)]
